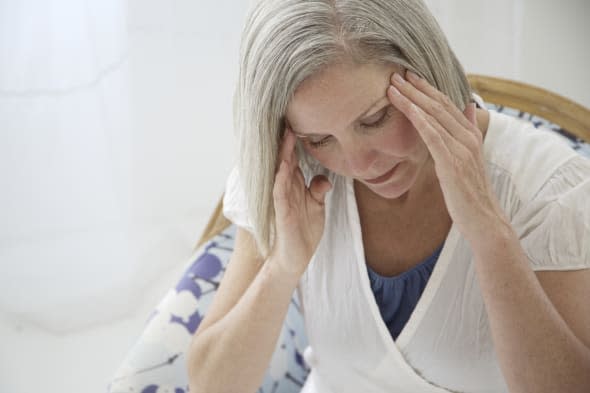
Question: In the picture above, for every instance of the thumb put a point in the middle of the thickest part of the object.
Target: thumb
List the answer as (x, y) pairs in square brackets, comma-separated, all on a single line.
[(318, 187)]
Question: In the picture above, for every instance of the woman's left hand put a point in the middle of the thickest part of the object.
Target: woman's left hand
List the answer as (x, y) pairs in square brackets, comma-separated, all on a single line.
[(456, 145)]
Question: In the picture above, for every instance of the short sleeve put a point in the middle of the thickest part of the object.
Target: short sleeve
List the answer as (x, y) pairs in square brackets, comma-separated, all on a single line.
[(235, 204), (554, 227)]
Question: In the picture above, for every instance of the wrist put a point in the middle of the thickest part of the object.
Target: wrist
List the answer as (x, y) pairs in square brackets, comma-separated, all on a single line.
[(490, 222), (497, 236), (284, 269)]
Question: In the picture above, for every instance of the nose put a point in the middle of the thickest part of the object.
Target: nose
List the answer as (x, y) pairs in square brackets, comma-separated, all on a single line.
[(358, 156)]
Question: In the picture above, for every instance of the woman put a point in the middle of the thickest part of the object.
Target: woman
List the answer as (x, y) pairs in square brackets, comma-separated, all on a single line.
[(435, 246)]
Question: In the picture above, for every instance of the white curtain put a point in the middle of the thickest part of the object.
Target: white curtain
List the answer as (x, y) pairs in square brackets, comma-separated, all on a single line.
[(66, 160), (106, 178)]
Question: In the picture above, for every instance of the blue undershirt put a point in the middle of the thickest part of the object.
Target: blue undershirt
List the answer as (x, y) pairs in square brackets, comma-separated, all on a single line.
[(397, 296)]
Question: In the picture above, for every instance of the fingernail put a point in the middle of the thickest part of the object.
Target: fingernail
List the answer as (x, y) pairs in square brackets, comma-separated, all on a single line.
[(397, 77), (394, 90)]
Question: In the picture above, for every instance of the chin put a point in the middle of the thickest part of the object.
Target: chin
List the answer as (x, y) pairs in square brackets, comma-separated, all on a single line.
[(388, 191), (396, 187)]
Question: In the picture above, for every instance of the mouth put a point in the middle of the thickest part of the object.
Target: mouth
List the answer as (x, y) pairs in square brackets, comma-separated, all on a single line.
[(384, 177)]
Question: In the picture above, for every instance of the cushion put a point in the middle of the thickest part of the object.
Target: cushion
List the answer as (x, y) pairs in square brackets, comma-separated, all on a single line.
[(157, 361)]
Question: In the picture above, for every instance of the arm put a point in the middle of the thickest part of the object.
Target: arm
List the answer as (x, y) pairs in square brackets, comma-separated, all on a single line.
[(234, 344), (541, 346)]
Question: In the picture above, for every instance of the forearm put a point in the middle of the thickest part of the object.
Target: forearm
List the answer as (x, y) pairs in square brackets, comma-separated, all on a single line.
[(233, 354), (536, 349)]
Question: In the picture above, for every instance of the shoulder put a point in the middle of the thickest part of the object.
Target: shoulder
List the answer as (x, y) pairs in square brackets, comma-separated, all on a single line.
[(529, 156), (555, 224), (543, 187)]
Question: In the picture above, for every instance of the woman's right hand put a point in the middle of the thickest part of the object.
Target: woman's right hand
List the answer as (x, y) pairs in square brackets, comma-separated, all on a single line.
[(299, 210)]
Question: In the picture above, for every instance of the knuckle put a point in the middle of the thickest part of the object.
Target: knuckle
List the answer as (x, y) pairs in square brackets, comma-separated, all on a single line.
[(411, 109), (437, 109), (446, 101)]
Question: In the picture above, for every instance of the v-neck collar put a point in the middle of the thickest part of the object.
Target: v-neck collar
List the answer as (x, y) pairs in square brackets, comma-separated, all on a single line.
[(396, 347)]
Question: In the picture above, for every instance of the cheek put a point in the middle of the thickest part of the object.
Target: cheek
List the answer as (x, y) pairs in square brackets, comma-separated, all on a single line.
[(326, 157)]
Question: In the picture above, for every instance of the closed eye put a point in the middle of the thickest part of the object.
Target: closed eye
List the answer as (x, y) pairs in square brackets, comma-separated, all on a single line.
[(372, 122), (319, 143), (378, 118)]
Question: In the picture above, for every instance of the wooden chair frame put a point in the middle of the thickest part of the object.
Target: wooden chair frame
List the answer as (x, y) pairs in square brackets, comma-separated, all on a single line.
[(571, 116)]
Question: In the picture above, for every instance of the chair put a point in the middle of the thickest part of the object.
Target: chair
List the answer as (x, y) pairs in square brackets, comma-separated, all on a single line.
[(572, 118), (157, 364)]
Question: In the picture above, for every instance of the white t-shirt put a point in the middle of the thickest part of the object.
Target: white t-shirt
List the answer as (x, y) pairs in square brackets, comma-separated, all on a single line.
[(544, 189)]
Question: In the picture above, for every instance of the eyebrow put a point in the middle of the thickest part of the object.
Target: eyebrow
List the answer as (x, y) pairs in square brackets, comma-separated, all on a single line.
[(365, 113)]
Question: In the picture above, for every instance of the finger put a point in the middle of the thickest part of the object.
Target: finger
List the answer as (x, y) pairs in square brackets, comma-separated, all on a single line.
[(287, 149), (281, 186), (319, 187), (435, 103), (432, 102), (438, 142), (432, 92)]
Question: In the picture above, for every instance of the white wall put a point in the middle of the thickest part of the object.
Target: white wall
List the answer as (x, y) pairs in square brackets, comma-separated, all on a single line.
[(101, 207), (542, 42)]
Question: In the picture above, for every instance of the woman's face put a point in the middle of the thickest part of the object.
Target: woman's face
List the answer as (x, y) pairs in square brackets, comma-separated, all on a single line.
[(346, 122)]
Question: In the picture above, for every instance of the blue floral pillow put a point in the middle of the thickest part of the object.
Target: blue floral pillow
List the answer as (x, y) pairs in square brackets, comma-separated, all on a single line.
[(157, 361)]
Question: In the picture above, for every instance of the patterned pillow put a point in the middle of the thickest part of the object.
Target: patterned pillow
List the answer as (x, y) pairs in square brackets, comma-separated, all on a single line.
[(157, 361)]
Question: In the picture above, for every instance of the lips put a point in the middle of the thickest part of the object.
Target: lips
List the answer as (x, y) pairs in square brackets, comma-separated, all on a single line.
[(383, 177)]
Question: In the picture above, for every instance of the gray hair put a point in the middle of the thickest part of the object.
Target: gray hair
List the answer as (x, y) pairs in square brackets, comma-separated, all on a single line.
[(284, 42)]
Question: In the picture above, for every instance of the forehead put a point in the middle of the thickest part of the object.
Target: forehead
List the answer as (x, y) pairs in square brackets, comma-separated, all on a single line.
[(334, 98)]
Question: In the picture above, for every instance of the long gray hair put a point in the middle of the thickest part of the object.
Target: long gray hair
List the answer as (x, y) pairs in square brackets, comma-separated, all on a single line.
[(286, 41)]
